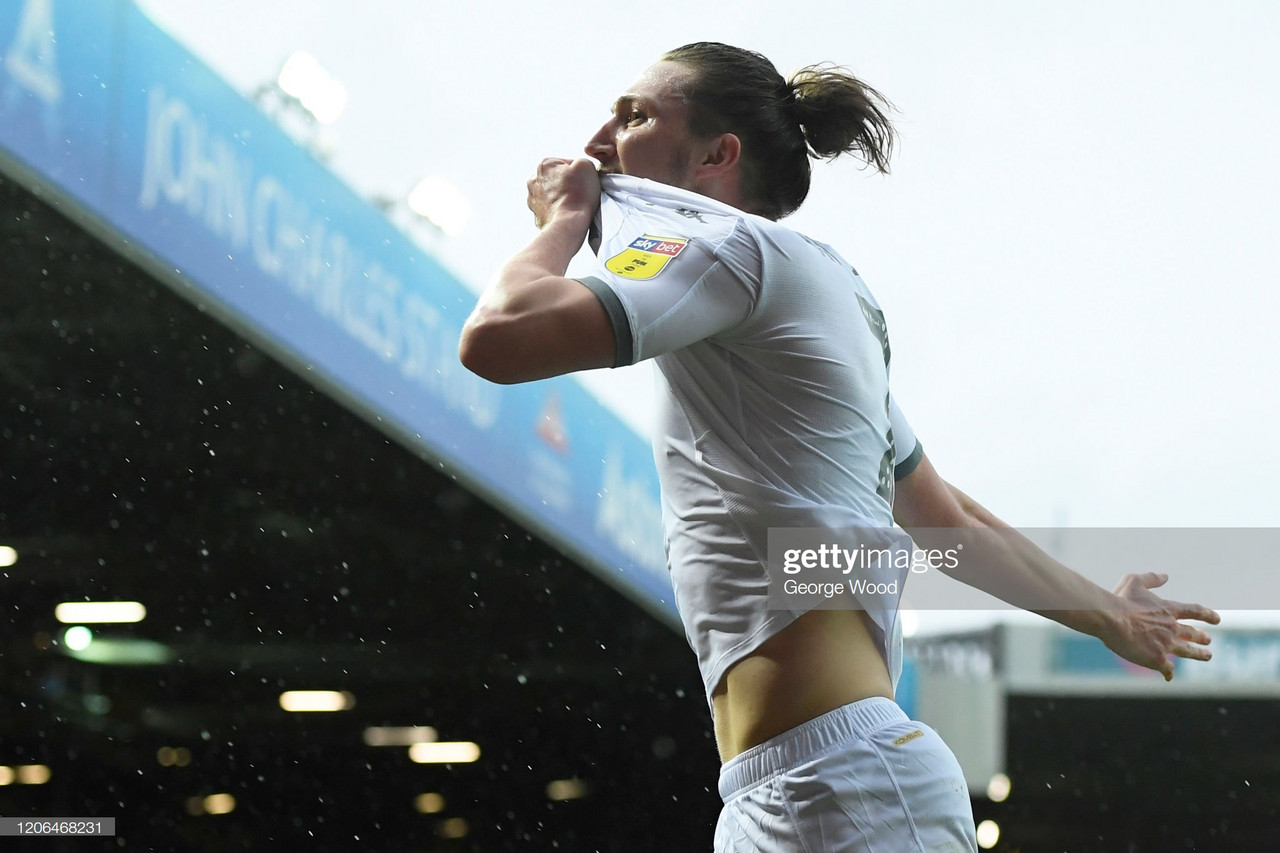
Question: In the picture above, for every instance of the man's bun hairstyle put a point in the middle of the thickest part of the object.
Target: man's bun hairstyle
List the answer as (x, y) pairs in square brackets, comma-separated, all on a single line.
[(823, 111), (842, 115)]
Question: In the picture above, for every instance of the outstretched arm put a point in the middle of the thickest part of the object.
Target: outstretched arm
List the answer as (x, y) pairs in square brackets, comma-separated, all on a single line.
[(532, 322), (1132, 621)]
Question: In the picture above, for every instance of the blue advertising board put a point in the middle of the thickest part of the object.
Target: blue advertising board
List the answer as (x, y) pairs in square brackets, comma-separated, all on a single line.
[(1241, 656), (141, 142)]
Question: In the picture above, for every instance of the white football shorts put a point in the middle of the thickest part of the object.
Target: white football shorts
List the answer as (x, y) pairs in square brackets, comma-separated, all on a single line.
[(863, 778)]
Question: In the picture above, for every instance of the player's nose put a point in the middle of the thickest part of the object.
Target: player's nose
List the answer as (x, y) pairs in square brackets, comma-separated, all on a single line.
[(600, 147)]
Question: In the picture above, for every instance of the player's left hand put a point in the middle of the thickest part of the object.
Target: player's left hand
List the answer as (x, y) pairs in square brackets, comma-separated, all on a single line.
[(1150, 632)]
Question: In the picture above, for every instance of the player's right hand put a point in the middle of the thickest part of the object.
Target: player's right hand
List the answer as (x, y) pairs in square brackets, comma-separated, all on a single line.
[(561, 186)]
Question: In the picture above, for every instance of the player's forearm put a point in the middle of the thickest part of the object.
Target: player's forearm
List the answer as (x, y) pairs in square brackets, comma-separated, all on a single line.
[(1017, 571), (532, 322), (516, 286), (511, 310)]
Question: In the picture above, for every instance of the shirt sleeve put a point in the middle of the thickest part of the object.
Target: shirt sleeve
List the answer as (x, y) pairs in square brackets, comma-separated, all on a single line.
[(908, 449), (664, 289)]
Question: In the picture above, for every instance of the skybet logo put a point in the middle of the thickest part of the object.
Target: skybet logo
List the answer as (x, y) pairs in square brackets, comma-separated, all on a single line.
[(660, 245), (645, 256)]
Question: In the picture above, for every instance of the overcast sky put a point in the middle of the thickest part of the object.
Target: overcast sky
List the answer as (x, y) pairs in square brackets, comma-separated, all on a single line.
[(1076, 251)]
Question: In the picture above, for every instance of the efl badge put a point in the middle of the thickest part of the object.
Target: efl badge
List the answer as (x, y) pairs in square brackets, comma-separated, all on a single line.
[(646, 256)]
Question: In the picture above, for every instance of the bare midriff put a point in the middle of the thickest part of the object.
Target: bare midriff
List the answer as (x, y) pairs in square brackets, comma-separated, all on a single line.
[(823, 660)]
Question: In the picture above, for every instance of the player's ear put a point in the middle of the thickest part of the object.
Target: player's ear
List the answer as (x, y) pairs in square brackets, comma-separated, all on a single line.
[(721, 154)]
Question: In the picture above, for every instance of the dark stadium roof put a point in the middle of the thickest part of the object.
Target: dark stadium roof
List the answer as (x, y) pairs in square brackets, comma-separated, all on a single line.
[(280, 542)]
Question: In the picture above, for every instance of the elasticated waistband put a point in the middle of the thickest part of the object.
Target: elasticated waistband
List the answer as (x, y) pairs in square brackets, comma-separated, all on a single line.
[(858, 719)]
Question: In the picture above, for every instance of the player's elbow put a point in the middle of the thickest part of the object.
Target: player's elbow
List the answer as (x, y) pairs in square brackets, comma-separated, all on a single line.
[(485, 349)]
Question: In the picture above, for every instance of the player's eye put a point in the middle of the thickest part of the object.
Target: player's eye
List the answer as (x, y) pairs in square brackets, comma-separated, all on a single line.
[(635, 117)]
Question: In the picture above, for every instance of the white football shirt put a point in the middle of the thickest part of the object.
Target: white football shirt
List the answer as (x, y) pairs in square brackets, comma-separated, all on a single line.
[(775, 406)]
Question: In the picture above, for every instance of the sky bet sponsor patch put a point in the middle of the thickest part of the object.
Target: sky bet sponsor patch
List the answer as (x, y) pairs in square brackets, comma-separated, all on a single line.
[(646, 256)]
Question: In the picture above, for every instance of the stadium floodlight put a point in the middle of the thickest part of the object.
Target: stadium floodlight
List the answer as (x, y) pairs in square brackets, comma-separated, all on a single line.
[(440, 203), (33, 774), (86, 612), (77, 638), (305, 80), (561, 790), (430, 803), (398, 735), (316, 701), (998, 788), (444, 752)]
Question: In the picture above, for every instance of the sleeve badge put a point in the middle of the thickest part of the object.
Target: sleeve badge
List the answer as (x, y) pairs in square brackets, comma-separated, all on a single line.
[(646, 256)]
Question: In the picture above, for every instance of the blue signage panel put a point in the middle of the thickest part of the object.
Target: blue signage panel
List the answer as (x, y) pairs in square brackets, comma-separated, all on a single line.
[(1240, 656), (54, 91), (142, 140)]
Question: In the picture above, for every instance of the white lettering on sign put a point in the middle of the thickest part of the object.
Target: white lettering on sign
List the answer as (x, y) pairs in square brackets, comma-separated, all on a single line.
[(205, 176), (32, 60)]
